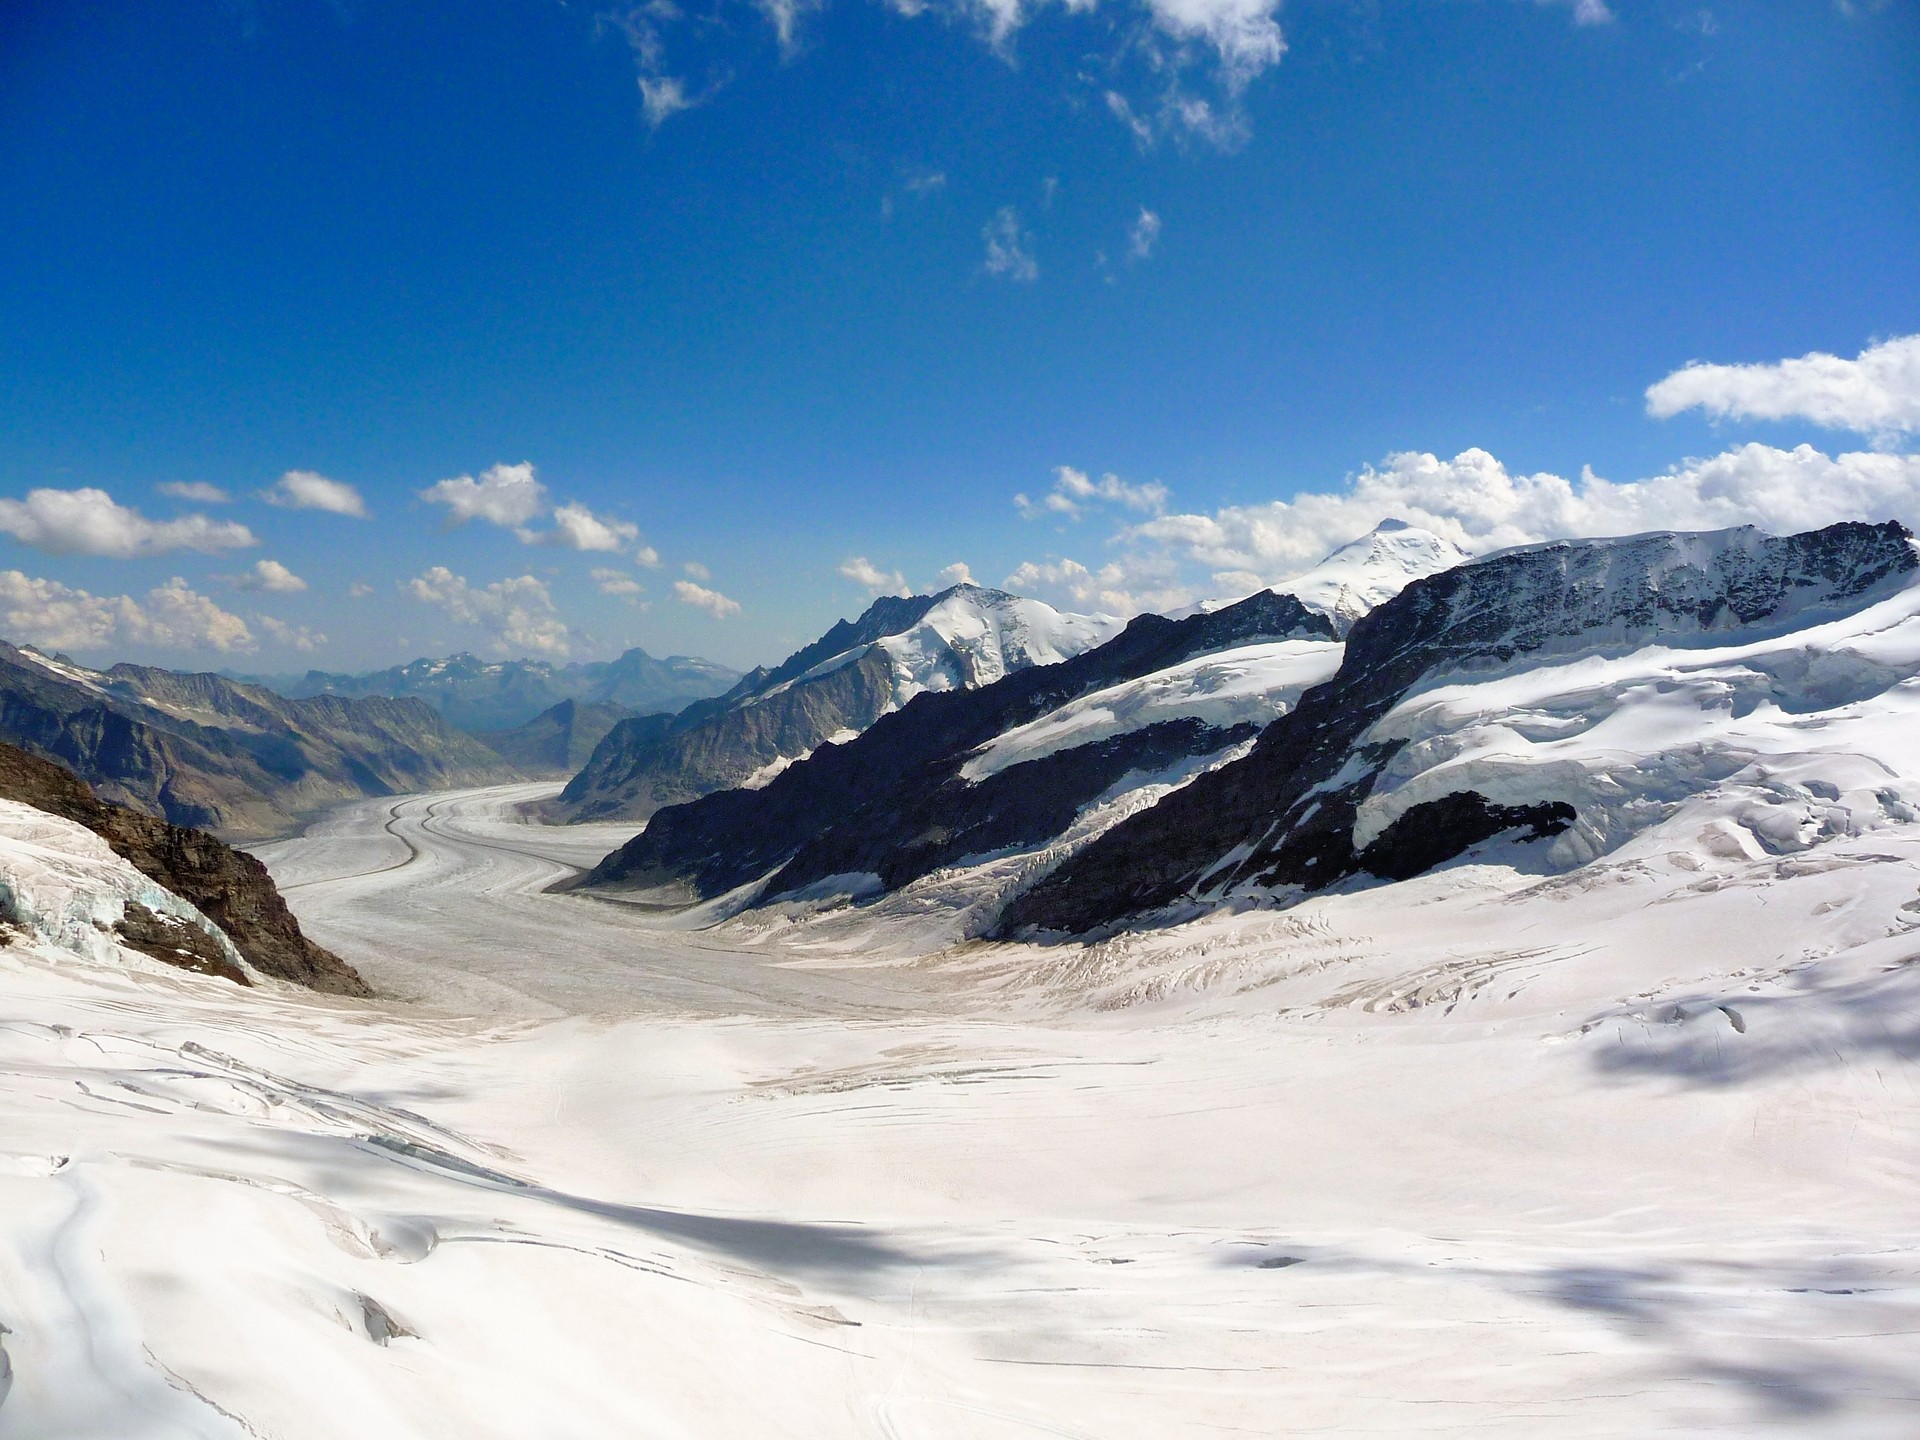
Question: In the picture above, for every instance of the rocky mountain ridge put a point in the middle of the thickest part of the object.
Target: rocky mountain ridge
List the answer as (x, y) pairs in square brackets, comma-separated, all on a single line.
[(211, 753), (1285, 814), (828, 691)]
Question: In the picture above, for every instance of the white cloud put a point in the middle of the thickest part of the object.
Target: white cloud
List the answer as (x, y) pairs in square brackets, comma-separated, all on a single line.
[(518, 613), (1009, 248), (578, 528), (1476, 502), (697, 570), (53, 616), (1877, 393), (1143, 235), (617, 582), (293, 637), (508, 495), (1073, 491), (359, 590), (664, 96), (196, 490), (957, 573), (701, 598), (925, 182), (646, 555), (1244, 35), (863, 571), (304, 490), (784, 16), (268, 575), (1586, 12), (91, 522)]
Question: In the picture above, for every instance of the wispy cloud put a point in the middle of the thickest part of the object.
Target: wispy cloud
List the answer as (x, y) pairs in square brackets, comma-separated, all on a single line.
[(307, 490), (863, 571), (1009, 248), (699, 597), (198, 491), (1143, 235), (1074, 491), (269, 575)]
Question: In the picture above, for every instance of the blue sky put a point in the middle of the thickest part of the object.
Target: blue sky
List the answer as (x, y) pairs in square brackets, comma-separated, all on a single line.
[(764, 309)]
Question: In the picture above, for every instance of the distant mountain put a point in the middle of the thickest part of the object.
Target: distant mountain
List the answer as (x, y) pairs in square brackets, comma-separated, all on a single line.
[(829, 691), (1382, 773), (1368, 572), (479, 695), (207, 752), (560, 740), (1011, 765)]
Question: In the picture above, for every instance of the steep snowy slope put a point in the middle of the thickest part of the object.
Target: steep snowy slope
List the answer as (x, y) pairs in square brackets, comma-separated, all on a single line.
[(962, 638), (1368, 572), (1289, 813), (917, 791)]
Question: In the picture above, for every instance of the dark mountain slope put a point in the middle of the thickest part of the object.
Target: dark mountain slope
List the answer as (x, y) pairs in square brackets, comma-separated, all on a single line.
[(1284, 814), (205, 751), (890, 801), (558, 741)]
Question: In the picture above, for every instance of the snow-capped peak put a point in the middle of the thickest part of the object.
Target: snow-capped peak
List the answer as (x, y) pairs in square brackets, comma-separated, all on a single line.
[(973, 636), (1373, 569)]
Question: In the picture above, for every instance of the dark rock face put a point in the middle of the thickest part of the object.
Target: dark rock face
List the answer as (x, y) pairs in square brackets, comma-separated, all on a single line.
[(891, 801), (559, 741), (1439, 830), (208, 752), (1284, 814), (478, 695), (174, 941), (228, 886)]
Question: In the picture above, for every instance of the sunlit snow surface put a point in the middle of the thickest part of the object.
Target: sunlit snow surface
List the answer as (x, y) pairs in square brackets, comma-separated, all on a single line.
[(1621, 1150)]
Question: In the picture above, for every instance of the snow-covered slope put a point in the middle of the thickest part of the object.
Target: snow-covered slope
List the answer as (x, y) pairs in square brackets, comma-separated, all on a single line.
[(1252, 684), (64, 891), (831, 690), (1369, 571)]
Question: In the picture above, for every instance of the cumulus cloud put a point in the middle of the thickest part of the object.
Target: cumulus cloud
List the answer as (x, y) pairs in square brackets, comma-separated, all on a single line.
[(359, 590), (1143, 235), (701, 598), (1073, 491), (617, 582), (54, 616), (863, 571), (507, 495), (1480, 505), (1009, 248), (957, 573), (697, 570), (196, 490), (293, 637), (578, 528), (267, 575), (518, 613), (1877, 393), (305, 490), (91, 522), (513, 497)]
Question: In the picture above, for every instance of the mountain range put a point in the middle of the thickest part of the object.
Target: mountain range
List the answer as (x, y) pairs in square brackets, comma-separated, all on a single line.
[(204, 751), (827, 692), (492, 695), (1553, 700)]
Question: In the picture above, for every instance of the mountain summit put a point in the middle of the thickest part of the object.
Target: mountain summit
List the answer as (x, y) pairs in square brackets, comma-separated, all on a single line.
[(958, 639)]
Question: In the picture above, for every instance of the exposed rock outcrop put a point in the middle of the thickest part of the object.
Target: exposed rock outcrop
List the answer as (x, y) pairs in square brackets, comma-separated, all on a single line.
[(228, 886)]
